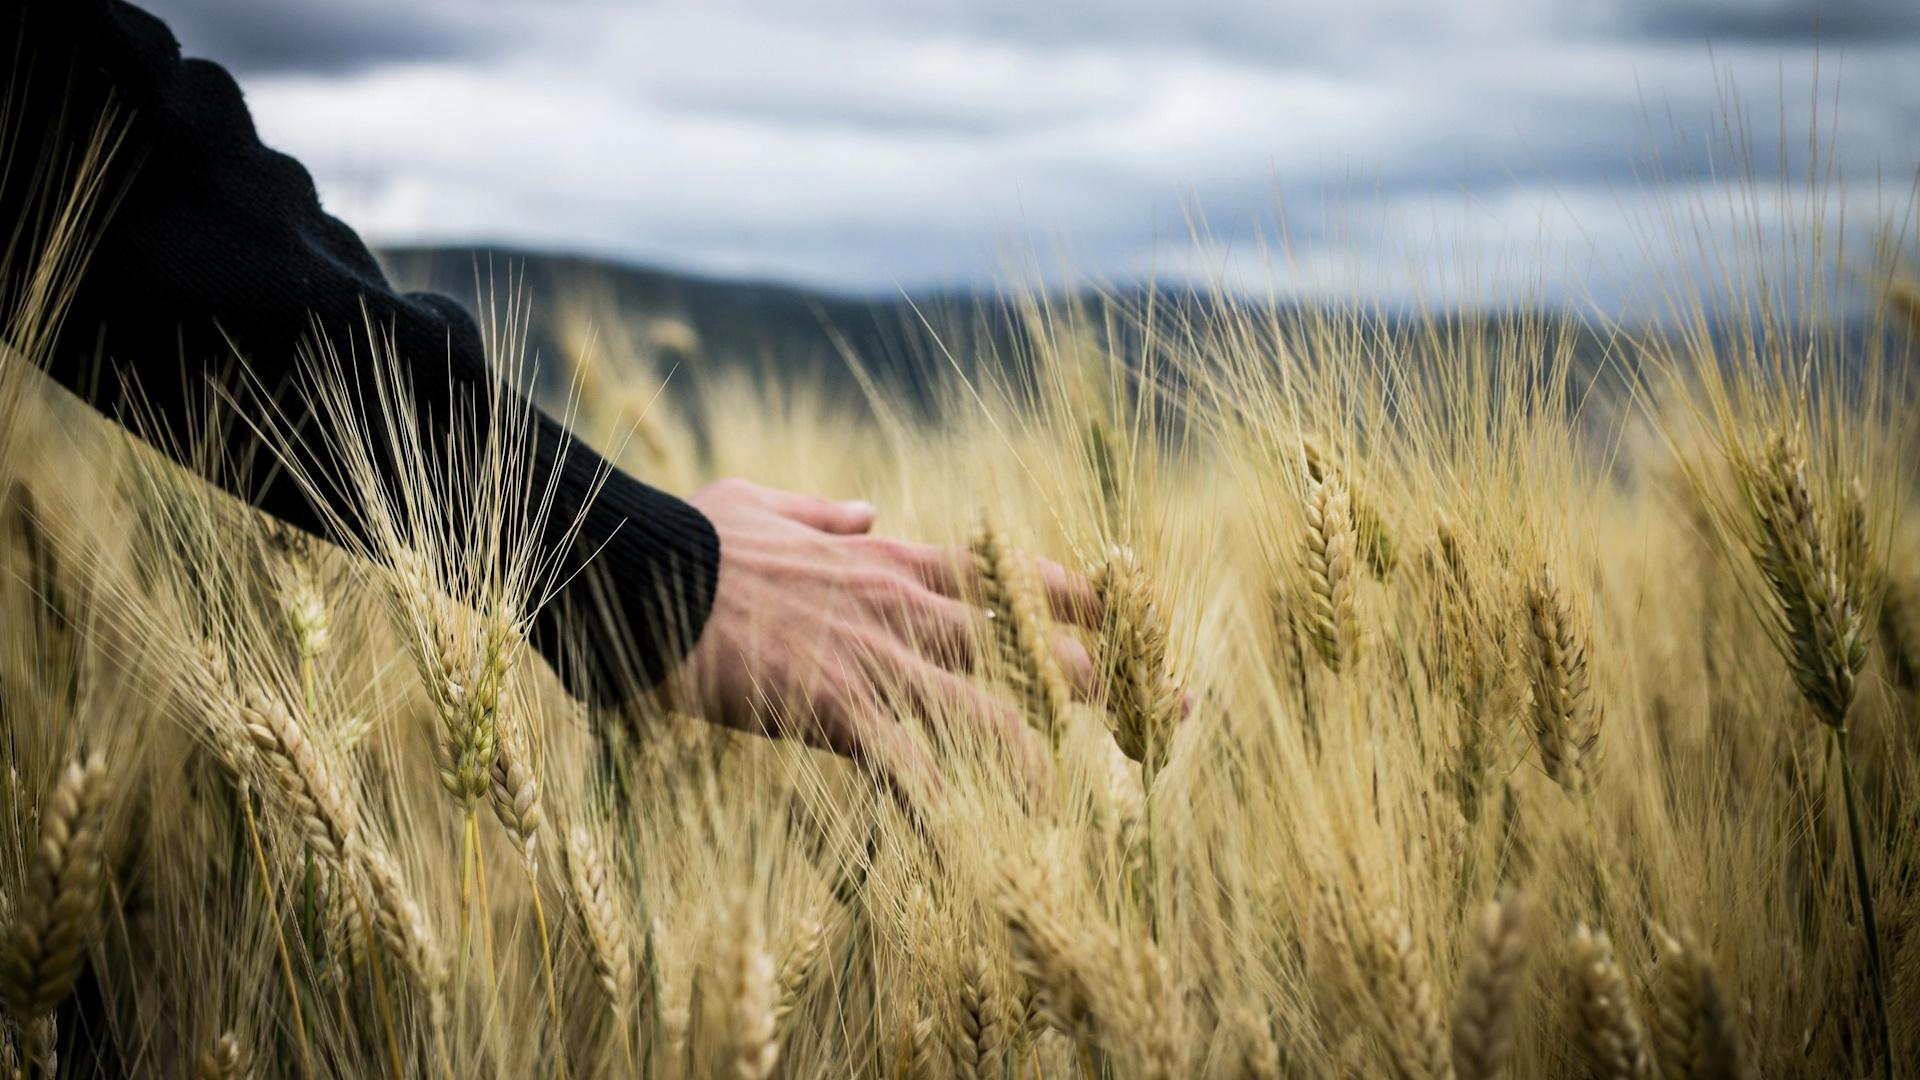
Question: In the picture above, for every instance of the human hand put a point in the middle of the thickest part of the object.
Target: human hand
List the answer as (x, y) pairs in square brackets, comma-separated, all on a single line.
[(823, 632)]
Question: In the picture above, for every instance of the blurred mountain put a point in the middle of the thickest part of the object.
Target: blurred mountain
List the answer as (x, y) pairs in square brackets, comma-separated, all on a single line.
[(696, 322)]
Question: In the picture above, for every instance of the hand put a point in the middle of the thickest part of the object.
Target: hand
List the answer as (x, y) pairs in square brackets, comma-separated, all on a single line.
[(823, 632)]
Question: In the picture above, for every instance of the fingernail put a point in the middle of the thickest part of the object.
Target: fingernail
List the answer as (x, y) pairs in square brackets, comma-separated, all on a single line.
[(861, 506)]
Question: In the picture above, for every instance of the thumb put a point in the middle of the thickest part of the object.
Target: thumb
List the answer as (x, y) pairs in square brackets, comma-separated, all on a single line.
[(827, 515)]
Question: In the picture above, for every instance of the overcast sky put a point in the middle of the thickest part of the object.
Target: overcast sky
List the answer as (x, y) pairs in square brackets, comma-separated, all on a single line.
[(867, 145)]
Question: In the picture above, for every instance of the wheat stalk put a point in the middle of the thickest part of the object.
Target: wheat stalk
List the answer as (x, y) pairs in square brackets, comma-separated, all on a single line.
[(1605, 1026), (1484, 1010), (1817, 572), (57, 916)]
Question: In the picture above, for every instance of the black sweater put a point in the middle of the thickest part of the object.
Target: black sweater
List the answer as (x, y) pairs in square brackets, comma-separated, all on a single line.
[(218, 245)]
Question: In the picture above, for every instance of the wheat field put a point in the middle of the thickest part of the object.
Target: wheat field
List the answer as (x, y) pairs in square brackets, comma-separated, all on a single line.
[(1528, 695)]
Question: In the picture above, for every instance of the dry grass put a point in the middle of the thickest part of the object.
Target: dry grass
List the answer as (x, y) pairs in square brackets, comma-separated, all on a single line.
[(1612, 622)]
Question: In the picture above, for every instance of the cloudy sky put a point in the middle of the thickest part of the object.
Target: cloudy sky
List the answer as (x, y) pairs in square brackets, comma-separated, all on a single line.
[(869, 145)]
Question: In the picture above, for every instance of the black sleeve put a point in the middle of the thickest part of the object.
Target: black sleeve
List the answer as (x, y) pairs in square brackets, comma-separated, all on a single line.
[(218, 245)]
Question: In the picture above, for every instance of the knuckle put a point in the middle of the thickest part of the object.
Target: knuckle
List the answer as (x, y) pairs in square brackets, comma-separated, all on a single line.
[(845, 691), (888, 548), (884, 588)]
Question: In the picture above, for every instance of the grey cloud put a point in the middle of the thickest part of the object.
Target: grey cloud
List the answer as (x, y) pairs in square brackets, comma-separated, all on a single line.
[(867, 143), (336, 37), (1781, 21)]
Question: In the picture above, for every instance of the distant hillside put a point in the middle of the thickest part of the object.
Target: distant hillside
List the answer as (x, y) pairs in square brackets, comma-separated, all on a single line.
[(748, 323)]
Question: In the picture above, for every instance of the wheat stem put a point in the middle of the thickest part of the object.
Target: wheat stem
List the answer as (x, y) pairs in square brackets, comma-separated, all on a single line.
[(546, 948), (1863, 890), (279, 932), (381, 1001), (486, 907)]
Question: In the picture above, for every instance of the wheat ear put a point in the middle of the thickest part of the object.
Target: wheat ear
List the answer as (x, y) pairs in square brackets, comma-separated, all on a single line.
[(797, 967), (976, 1045), (301, 595), (300, 776), (1815, 571), (609, 951), (226, 1059), (1693, 1037), (402, 925), (1903, 299), (1605, 1026), (1255, 1050), (1565, 725), (515, 791), (58, 916), (749, 996), (1020, 633), (464, 660), (1370, 529), (1044, 948), (917, 1053), (1329, 551), (1143, 692), (1484, 1011), (1416, 1037)]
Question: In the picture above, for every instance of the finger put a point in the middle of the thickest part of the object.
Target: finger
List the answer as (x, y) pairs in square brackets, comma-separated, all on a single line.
[(1076, 665), (1070, 596), (827, 515), (885, 750), (963, 714), (937, 627), (946, 570), (850, 719)]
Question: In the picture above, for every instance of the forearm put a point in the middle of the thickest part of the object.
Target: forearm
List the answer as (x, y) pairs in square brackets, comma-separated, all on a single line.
[(218, 253)]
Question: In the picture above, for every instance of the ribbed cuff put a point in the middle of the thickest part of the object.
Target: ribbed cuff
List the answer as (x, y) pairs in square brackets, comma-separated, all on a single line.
[(642, 571)]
